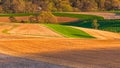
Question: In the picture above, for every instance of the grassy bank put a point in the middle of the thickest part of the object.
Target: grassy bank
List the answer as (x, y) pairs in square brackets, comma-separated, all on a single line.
[(80, 16), (16, 15), (68, 31)]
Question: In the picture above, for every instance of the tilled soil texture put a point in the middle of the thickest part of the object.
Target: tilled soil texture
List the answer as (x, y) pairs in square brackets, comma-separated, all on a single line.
[(10, 30), (7, 61), (34, 30), (79, 53)]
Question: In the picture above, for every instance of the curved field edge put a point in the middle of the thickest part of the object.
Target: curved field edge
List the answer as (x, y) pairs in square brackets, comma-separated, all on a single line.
[(35, 30), (107, 25), (16, 14), (80, 16), (69, 32)]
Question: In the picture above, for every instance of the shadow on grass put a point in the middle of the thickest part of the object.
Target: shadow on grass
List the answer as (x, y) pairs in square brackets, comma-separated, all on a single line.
[(79, 23), (82, 36)]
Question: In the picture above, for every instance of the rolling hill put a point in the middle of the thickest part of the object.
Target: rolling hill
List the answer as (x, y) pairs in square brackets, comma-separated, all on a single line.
[(59, 46)]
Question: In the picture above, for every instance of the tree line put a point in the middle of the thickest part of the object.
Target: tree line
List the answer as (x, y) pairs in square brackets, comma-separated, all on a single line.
[(32, 6)]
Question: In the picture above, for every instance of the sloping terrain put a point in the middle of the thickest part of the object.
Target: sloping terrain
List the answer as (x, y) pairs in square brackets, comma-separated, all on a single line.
[(35, 46), (69, 32), (7, 61), (100, 34), (18, 31), (34, 30), (84, 53)]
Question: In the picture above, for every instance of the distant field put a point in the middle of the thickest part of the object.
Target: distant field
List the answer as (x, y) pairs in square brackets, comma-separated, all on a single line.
[(84, 20), (80, 16), (108, 25), (20, 14), (69, 31), (117, 12)]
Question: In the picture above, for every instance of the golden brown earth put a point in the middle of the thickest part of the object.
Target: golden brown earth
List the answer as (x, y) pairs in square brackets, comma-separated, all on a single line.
[(77, 53), (21, 41)]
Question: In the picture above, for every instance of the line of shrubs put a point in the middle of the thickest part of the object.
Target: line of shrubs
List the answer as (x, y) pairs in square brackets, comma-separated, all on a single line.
[(42, 17)]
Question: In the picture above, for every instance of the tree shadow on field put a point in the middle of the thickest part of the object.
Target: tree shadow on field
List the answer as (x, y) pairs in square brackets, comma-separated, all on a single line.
[(99, 58), (7, 61), (82, 36), (79, 23)]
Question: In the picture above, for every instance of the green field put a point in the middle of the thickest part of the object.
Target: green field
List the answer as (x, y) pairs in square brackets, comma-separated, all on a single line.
[(68, 31), (117, 12), (107, 25), (16, 15), (85, 20), (80, 16)]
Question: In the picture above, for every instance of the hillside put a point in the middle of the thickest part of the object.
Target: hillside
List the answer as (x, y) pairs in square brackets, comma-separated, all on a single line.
[(67, 52), (107, 21), (33, 6), (100, 34), (63, 45)]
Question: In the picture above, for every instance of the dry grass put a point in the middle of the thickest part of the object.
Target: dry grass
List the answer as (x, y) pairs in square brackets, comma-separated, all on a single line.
[(100, 34)]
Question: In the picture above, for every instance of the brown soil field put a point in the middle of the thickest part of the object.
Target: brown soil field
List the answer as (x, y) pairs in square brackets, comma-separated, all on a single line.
[(34, 29), (78, 53), (6, 19), (57, 52), (26, 31), (66, 19), (60, 19), (106, 15)]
